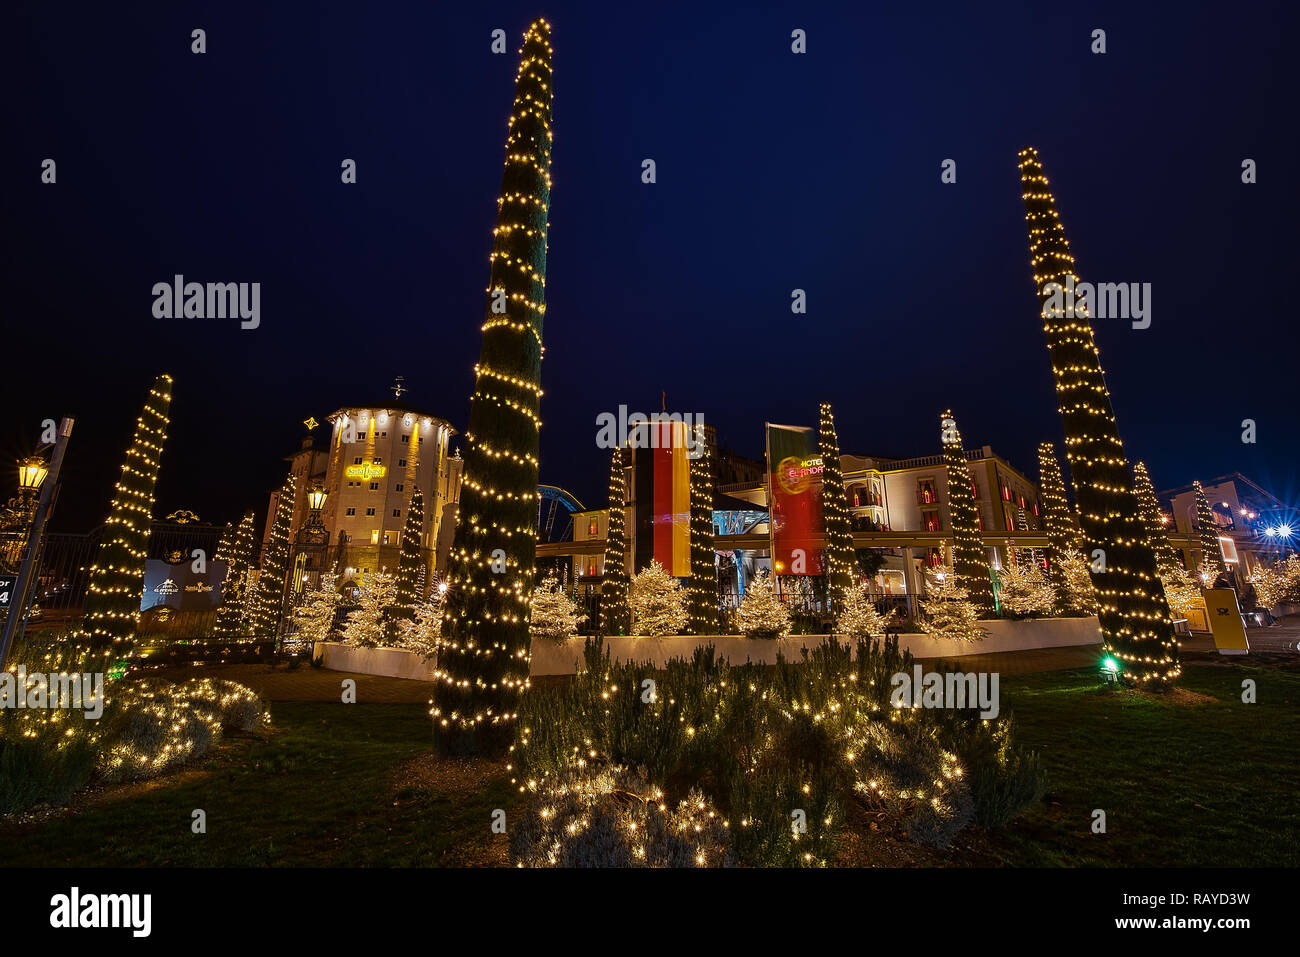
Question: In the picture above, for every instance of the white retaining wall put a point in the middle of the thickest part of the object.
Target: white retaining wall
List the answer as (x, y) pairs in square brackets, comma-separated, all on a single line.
[(565, 657), (388, 662)]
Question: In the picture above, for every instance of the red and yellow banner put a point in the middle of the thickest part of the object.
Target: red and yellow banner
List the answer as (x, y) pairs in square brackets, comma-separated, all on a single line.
[(795, 500)]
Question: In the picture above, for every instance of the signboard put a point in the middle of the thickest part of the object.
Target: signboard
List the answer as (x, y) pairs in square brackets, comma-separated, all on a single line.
[(180, 588), (366, 470), (1225, 621), (795, 492), (7, 583)]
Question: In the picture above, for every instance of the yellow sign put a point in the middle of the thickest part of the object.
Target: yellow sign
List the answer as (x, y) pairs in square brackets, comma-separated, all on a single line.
[(366, 470), (1225, 621)]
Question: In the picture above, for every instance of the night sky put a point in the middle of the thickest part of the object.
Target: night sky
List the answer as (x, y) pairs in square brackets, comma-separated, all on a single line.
[(775, 171)]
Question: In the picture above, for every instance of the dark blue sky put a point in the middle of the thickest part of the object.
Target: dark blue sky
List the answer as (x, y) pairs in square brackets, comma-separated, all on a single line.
[(775, 171)]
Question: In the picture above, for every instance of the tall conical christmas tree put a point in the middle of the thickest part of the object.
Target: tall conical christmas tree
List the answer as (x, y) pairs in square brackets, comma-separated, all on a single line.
[(1135, 622), (117, 575), (1149, 508), (615, 610), (1062, 534), (483, 664), (1207, 530), (408, 560), (970, 561), (702, 588), (268, 595), (835, 509), (232, 617)]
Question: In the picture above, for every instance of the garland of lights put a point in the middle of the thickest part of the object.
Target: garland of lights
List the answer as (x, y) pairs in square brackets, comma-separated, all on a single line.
[(1208, 532), (268, 594), (484, 656), (835, 510), (970, 561), (702, 588), (232, 618), (1135, 623), (615, 611), (117, 575)]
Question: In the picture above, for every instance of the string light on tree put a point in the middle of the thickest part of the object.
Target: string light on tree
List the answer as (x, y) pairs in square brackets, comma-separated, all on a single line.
[(484, 656), (408, 561), (1134, 616), (1062, 532), (840, 573), (1207, 530), (268, 594), (658, 603), (970, 560), (233, 616), (702, 587), (615, 611), (117, 575)]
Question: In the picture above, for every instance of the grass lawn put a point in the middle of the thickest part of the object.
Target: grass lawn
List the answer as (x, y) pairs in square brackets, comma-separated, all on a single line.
[(1182, 783)]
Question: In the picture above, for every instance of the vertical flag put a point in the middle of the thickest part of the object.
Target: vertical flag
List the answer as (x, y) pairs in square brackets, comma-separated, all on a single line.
[(798, 527)]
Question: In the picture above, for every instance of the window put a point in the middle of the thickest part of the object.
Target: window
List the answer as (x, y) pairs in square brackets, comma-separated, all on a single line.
[(378, 460), (593, 527), (374, 486), (930, 520), (361, 436), (374, 537), (370, 511), (357, 460), (383, 435), (397, 513), (422, 438), (406, 440), (400, 487), (401, 463), (351, 511), (926, 492)]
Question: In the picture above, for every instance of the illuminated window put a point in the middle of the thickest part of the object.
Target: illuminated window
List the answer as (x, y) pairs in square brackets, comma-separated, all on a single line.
[(930, 521), (374, 536), (593, 527), (926, 492)]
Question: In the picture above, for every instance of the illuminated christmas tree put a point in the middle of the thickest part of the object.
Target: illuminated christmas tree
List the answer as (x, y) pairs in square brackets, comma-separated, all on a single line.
[(267, 606), (1024, 591), (702, 586), (368, 626), (409, 562), (762, 613), (232, 616), (858, 618), (314, 618), (1207, 530), (1062, 532), (1135, 624), (615, 612), (117, 575), (1149, 508), (483, 662), (555, 615), (840, 572), (947, 611), (658, 603), (970, 561)]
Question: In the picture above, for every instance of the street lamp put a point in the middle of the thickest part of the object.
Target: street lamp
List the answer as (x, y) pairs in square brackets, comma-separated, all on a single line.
[(314, 531), (31, 473)]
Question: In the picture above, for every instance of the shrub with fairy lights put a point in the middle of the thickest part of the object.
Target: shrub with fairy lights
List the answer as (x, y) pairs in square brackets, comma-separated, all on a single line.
[(613, 817), (780, 753)]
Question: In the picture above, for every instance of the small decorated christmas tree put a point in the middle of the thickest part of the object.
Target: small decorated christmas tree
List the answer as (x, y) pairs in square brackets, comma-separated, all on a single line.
[(1080, 592), (858, 618), (947, 609), (367, 627), (762, 614), (658, 603), (409, 565), (1024, 590), (555, 614), (970, 561), (314, 618), (422, 632)]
